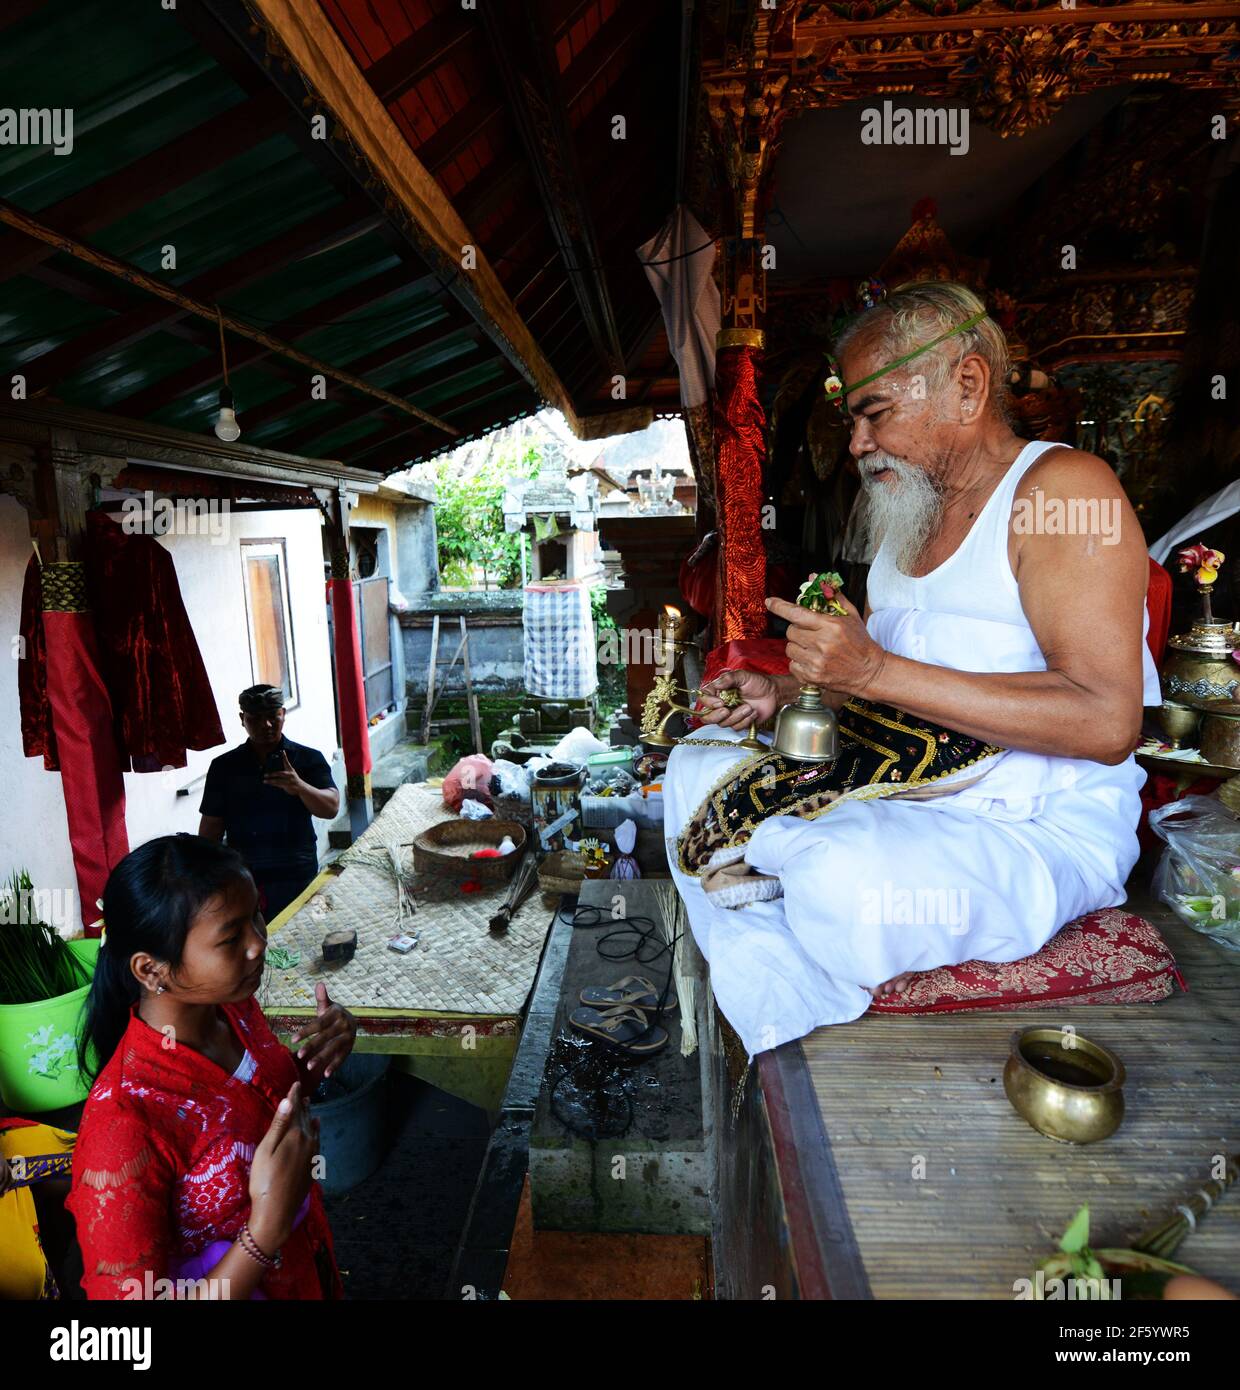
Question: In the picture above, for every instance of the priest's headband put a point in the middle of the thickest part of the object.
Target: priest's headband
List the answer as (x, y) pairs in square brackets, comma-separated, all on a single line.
[(839, 393)]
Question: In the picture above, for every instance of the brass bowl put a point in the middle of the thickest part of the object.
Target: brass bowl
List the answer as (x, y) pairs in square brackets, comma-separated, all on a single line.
[(1064, 1085), (1179, 722)]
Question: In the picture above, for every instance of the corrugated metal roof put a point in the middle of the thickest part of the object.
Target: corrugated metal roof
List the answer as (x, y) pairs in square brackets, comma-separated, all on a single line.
[(240, 182)]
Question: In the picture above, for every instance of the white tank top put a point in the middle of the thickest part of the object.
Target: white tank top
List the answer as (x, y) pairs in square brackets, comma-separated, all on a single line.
[(966, 614)]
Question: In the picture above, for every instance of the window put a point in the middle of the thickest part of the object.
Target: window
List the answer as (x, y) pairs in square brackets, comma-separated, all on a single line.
[(265, 572)]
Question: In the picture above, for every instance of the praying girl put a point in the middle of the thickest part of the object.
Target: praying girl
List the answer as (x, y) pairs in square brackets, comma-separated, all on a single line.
[(196, 1153)]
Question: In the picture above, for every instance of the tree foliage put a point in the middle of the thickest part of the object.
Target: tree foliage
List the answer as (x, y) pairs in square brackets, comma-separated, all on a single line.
[(469, 521)]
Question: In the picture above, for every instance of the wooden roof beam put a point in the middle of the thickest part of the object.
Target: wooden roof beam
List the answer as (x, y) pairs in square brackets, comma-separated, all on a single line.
[(526, 64), (332, 228), (399, 444), (200, 374), (69, 280), (616, 35), (456, 134), (418, 56), (424, 337), (305, 35), (355, 413), (171, 166)]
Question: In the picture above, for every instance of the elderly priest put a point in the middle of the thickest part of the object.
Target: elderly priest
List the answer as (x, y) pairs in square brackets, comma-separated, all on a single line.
[(990, 697)]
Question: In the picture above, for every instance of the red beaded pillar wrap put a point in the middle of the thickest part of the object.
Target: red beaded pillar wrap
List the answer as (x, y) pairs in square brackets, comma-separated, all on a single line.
[(350, 690), (81, 718), (740, 442)]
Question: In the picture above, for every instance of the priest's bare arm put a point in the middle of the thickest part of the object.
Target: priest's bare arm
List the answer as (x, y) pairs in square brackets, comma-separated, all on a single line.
[(1084, 597)]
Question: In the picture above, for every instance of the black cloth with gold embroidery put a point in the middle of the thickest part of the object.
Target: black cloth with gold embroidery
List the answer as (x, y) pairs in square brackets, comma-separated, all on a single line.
[(883, 752)]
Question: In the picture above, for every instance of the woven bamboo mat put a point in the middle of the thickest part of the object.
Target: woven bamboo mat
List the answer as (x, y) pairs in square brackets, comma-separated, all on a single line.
[(996, 1195), (412, 808), (457, 965)]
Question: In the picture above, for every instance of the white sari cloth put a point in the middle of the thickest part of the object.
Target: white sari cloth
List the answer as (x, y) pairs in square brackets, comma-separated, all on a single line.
[(875, 888)]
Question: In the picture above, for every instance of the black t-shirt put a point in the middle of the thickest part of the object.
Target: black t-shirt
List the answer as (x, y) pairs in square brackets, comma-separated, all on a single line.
[(272, 829)]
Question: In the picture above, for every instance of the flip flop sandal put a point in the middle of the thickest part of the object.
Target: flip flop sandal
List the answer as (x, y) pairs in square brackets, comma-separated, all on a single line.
[(625, 1029), (634, 990)]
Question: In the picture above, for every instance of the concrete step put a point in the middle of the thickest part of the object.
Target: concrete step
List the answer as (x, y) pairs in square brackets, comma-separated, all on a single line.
[(655, 1178)]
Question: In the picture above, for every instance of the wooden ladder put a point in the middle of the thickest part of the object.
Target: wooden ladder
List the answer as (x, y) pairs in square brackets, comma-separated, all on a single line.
[(429, 723)]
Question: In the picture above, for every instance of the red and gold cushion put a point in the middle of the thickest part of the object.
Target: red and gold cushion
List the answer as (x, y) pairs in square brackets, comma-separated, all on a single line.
[(1107, 957)]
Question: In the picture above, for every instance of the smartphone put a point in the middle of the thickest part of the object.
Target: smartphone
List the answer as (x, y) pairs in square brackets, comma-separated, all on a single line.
[(274, 763)]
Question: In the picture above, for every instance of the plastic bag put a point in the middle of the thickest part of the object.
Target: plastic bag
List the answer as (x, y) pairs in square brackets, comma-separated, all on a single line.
[(576, 746), (510, 779), (471, 774), (1198, 876)]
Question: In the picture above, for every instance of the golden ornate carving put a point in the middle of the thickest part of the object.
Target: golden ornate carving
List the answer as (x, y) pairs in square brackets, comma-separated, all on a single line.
[(1015, 75), (1025, 75)]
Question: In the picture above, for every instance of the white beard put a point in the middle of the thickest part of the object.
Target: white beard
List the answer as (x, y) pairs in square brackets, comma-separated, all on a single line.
[(905, 512)]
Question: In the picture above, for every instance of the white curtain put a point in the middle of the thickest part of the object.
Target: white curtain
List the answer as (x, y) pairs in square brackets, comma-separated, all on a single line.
[(683, 257), (1204, 515)]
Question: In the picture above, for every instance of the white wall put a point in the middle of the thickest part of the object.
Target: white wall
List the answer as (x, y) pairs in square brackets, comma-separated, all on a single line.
[(33, 830)]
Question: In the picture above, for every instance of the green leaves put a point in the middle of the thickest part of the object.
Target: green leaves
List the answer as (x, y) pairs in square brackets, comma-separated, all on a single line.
[(821, 593), (35, 962), (469, 520), (1076, 1237)]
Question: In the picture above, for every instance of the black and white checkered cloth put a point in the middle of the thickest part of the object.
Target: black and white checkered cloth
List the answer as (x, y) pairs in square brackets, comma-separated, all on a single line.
[(560, 660)]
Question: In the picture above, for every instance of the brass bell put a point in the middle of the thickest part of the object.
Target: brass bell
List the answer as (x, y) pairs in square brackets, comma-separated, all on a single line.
[(808, 731)]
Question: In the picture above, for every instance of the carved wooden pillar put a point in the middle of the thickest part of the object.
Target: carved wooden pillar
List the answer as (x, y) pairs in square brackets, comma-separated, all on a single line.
[(740, 446)]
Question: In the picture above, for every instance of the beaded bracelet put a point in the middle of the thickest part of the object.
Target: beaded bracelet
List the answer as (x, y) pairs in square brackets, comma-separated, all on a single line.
[(245, 1239)]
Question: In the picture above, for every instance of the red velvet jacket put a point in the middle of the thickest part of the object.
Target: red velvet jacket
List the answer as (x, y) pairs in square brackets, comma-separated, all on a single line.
[(162, 1164)]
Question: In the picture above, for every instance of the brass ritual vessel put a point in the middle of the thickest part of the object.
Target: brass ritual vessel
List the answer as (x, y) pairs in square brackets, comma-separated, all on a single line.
[(807, 731), (1198, 664), (654, 725), (1179, 722), (1064, 1085)]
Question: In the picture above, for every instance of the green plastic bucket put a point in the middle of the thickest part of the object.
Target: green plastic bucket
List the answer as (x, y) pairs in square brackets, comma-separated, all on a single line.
[(38, 1046)]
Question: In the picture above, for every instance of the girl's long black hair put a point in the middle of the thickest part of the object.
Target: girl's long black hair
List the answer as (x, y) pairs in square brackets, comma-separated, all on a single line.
[(149, 905)]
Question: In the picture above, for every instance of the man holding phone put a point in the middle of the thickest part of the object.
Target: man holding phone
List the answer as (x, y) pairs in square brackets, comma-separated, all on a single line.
[(263, 797)]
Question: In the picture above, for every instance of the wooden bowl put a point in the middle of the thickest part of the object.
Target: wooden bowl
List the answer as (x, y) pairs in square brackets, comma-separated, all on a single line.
[(446, 848)]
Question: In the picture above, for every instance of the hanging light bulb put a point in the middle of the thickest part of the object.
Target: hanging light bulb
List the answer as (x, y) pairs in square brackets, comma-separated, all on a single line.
[(226, 426)]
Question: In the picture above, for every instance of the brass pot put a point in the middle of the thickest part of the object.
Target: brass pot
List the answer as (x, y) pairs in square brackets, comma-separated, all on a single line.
[(1220, 739), (1198, 663), (1178, 722), (1065, 1086)]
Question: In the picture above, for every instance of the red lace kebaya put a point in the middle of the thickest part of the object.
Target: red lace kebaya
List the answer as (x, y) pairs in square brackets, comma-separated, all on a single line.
[(162, 1165)]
